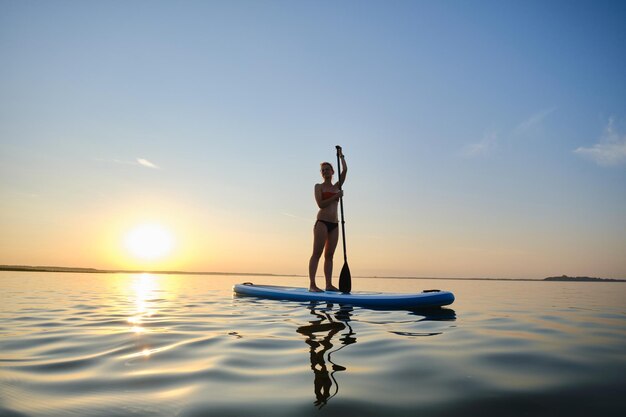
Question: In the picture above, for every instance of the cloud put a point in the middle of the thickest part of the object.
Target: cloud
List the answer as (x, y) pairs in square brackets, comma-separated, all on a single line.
[(533, 121), (610, 149), (484, 147), (293, 216), (146, 163), (137, 162), (491, 139)]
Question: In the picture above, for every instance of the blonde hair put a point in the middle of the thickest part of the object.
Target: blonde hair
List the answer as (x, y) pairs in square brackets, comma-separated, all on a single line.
[(327, 163)]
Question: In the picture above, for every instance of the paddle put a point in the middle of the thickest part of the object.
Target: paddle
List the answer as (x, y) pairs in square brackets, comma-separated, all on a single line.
[(345, 280)]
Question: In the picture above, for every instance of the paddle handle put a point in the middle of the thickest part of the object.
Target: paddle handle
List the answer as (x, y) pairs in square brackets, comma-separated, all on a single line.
[(343, 220)]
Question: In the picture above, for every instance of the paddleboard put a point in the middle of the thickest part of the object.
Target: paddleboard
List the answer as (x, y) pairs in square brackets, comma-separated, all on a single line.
[(425, 299)]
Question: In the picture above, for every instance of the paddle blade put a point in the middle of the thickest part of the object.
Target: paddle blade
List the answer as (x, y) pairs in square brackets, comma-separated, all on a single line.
[(345, 280)]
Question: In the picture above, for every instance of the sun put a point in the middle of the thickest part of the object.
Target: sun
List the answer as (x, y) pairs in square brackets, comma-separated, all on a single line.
[(149, 242)]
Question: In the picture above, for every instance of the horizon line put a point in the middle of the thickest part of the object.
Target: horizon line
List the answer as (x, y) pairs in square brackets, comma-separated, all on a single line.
[(65, 269)]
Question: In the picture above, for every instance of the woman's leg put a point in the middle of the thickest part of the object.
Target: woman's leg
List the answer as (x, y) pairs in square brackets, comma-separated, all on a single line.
[(320, 234), (331, 245)]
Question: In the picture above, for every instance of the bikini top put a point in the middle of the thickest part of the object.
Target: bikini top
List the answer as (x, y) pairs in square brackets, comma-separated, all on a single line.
[(328, 194)]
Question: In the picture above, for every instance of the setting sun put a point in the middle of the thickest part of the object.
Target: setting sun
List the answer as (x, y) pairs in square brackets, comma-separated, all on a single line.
[(149, 242)]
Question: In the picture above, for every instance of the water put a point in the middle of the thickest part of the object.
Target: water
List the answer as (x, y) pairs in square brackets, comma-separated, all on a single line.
[(168, 345)]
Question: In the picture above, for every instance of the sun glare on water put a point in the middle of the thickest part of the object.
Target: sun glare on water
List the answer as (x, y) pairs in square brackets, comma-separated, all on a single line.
[(149, 242)]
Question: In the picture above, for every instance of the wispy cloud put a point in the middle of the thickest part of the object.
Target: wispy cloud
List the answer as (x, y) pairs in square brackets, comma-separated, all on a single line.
[(490, 141), (293, 216), (610, 149), (482, 148), (533, 121), (137, 162), (146, 163)]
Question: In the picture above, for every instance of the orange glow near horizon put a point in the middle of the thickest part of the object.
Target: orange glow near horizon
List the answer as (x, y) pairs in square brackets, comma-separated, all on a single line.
[(149, 241), (145, 238)]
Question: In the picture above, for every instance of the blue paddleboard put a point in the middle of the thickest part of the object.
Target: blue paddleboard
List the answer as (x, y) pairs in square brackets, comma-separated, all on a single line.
[(426, 299)]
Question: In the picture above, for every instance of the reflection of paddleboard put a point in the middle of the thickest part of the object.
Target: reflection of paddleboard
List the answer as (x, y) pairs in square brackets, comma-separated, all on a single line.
[(426, 299)]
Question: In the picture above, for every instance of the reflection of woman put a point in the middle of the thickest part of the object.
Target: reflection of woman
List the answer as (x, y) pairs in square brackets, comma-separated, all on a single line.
[(326, 230), (319, 334)]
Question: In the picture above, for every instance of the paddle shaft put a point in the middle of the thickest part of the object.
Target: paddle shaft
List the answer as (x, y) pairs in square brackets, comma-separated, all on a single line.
[(343, 221)]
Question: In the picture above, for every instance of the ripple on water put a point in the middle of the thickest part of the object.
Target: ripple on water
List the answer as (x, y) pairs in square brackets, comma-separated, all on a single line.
[(105, 346)]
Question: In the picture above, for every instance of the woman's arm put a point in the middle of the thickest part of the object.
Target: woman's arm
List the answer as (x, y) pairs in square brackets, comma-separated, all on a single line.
[(344, 168)]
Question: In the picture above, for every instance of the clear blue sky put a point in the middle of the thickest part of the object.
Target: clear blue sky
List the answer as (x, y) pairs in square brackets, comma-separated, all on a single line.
[(483, 138)]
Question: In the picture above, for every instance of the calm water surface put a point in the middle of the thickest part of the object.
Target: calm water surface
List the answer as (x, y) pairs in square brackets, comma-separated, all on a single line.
[(168, 345)]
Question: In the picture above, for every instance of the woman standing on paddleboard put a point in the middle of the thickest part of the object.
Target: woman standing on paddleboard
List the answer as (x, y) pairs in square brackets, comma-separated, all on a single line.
[(326, 230)]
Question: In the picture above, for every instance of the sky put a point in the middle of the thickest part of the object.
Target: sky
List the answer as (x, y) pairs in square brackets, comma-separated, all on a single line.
[(483, 138)]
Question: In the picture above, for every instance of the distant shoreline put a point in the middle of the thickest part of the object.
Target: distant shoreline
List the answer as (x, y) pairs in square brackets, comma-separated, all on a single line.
[(23, 268), (583, 279), (62, 269)]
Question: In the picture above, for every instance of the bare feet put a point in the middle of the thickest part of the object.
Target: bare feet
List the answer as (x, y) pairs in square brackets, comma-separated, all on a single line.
[(332, 288), (314, 288)]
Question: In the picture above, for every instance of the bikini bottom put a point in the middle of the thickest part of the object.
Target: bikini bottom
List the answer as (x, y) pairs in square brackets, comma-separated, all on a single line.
[(330, 226)]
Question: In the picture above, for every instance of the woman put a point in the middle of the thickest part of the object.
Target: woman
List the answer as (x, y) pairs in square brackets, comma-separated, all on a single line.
[(326, 230)]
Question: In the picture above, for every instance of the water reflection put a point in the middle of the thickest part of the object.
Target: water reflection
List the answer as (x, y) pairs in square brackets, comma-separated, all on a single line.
[(434, 314), (329, 325), (319, 335), (143, 287)]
